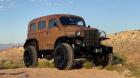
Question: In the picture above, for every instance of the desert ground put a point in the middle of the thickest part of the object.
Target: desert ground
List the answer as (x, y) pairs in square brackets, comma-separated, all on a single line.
[(54, 73)]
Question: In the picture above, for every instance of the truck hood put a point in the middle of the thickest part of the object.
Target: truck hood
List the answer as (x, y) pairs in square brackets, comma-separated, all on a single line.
[(71, 30), (77, 28)]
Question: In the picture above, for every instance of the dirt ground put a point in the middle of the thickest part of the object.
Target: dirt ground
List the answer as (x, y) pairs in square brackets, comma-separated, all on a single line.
[(54, 73)]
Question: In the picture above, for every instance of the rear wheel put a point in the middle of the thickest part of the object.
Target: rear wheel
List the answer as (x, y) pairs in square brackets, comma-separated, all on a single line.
[(64, 56), (30, 57)]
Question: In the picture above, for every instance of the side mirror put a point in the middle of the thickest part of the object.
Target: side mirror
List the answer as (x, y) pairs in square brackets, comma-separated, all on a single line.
[(55, 24), (103, 35), (88, 26)]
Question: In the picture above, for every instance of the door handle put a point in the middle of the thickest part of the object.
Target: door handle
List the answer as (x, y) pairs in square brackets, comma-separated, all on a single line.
[(47, 32)]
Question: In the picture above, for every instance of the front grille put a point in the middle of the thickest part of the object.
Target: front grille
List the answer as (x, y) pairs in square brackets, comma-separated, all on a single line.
[(91, 38)]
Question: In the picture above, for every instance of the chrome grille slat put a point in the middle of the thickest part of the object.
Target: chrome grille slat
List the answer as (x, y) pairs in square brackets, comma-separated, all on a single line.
[(91, 37)]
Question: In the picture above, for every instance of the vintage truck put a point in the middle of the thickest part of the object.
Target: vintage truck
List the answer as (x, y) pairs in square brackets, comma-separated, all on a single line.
[(64, 37)]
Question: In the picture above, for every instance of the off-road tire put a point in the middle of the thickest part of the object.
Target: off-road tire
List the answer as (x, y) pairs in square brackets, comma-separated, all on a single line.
[(30, 57), (64, 56), (103, 60), (108, 60)]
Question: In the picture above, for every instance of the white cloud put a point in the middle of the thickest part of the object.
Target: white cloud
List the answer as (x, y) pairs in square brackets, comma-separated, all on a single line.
[(11, 5), (52, 3), (70, 2), (2, 0), (38, 0), (6, 4), (1, 7), (5, 1), (32, 0)]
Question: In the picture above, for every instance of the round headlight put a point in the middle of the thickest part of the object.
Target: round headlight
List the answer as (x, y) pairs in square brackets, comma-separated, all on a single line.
[(78, 33), (102, 34)]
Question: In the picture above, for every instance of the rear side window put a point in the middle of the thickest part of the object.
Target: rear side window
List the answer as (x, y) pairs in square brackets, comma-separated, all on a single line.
[(52, 23), (33, 26), (42, 25)]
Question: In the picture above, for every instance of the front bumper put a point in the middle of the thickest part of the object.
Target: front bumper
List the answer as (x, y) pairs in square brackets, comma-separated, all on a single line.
[(104, 50), (97, 50)]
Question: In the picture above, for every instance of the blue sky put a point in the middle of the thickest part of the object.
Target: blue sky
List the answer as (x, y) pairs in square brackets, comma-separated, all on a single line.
[(108, 15)]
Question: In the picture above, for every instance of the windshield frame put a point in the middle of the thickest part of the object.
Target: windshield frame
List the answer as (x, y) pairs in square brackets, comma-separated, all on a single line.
[(84, 24)]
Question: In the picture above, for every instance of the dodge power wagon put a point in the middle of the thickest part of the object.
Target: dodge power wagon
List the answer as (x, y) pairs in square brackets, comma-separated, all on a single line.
[(64, 37)]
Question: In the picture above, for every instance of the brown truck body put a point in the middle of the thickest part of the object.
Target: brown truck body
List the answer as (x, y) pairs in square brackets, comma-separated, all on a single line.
[(64, 37), (46, 37)]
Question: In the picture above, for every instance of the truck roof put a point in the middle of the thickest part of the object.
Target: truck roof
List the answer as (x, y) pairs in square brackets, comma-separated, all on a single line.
[(53, 15)]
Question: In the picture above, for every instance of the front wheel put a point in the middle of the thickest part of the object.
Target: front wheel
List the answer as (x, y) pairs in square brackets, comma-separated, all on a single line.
[(64, 56), (30, 57), (103, 60)]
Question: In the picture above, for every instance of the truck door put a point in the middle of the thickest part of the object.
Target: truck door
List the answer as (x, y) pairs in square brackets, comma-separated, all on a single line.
[(41, 34), (53, 32)]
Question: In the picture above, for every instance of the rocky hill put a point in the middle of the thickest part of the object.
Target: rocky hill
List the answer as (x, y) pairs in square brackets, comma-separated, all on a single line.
[(126, 43), (12, 54)]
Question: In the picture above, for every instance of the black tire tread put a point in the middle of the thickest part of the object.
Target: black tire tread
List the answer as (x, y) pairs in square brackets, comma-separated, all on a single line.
[(34, 56), (70, 55)]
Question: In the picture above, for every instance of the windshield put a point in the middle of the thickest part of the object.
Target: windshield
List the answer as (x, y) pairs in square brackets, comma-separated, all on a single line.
[(72, 21)]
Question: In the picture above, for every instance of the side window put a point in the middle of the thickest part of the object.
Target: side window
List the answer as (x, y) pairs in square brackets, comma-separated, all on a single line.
[(33, 26), (42, 25), (52, 23)]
